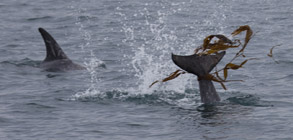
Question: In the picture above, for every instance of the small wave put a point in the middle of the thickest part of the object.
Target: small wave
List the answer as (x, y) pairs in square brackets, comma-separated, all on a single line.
[(86, 18), (290, 76), (39, 18), (22, 63), (12, 45), (4, 120), (284, 62), (248, 100), (36, 105), (50, 75)]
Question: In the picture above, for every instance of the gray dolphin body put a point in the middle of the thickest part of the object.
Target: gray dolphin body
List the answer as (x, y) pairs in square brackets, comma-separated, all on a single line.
[(56, 59), (201, 66)]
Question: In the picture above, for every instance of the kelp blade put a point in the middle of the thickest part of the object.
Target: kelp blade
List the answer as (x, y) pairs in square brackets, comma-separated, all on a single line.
[(172, 76), (249, 33)]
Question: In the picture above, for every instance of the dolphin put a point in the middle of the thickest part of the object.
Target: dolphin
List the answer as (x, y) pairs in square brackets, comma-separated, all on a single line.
[(201, 65), (56, 59)]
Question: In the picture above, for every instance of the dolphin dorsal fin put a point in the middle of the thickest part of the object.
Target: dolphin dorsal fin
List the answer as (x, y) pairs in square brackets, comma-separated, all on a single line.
[(198, 65), (54, 52)]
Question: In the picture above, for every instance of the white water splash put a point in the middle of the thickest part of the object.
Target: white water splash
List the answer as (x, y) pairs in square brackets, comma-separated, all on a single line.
[(90, 61), (152, 43)]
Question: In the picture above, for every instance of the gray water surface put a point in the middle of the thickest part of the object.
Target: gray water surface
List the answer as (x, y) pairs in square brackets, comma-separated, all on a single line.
[(126, 45)]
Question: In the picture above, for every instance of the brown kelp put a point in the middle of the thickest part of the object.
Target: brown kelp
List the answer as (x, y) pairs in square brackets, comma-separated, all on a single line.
[(270, 54)]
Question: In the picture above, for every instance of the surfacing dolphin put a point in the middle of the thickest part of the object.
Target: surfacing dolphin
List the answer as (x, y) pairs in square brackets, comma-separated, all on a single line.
[(56, 59), (201, 66)]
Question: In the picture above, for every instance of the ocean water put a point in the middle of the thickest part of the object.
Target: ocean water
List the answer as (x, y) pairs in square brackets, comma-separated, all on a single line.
[(126, 45)]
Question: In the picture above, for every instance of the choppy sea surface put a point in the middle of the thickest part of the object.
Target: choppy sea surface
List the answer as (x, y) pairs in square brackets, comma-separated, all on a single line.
[(126, 45)]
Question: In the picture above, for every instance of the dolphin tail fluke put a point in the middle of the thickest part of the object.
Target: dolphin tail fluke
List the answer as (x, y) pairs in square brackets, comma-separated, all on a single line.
[(54, 52), (201, 66), (198, 65)]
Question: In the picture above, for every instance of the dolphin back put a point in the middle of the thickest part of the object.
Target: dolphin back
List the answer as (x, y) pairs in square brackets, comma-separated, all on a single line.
[(54, 51)]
